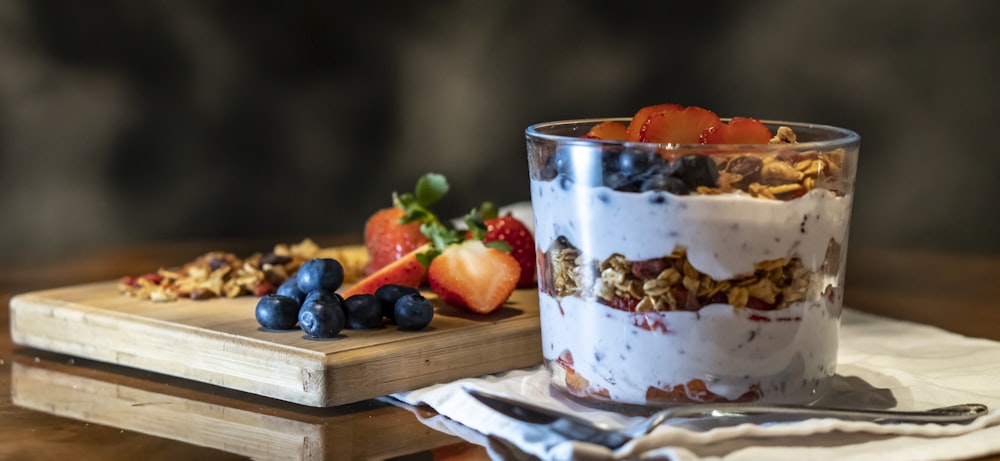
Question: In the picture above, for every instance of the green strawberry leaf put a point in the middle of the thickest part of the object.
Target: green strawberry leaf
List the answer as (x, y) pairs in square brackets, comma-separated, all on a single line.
[(488, 211), (417, 213), (500, 245), (426, 257), (475, 223), (439, 235), (485, 211), (430, 188), (403, 201)]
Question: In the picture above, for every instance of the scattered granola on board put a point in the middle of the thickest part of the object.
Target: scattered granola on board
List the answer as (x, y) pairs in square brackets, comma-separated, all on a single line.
[(221, 274)]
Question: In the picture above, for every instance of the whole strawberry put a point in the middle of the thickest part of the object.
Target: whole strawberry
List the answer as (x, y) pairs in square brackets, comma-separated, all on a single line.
[(387, 240), (391, 233), (522, 244)]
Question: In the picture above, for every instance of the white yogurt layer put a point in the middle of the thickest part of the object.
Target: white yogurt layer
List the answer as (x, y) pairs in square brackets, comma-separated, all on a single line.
[(724, 234), (786, 354)]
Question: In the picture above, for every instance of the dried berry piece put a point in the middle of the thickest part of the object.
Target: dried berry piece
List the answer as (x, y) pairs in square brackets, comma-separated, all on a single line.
[(275, 259), (265, 288), (650, 268), (622, 303), (748, 167)]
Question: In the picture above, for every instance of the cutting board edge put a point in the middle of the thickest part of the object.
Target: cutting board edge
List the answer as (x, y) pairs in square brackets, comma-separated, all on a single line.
[(436, 352), (312, 381), (298, 383), (33, 300)]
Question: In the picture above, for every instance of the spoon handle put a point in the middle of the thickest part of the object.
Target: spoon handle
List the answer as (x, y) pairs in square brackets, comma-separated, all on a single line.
[(955, 414), (574, 427)]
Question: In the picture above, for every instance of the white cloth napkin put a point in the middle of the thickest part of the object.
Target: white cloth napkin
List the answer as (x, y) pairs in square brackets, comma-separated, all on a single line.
[(882, 363)]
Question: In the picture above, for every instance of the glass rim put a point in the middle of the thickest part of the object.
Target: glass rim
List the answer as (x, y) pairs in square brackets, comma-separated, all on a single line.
[(845, 137)]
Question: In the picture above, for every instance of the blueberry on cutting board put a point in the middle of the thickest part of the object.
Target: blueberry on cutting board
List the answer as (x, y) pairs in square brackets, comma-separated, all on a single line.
[(320, 274), (413, 312), (388, 295), (363, 312), (291, 289), (277, 312), (321, 318)]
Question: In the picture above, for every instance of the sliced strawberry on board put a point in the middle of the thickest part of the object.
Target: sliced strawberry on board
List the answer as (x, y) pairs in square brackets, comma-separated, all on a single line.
[(473, 276), (678, 126), (739, 130), (387, 240), (610, 131), (407, 271), (633, 132)]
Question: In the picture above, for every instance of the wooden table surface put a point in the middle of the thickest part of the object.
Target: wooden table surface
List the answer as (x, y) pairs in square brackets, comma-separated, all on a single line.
[(57, 407)]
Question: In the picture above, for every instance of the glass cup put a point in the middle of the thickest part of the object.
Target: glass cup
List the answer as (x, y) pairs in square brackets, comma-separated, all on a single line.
[(673, 274)]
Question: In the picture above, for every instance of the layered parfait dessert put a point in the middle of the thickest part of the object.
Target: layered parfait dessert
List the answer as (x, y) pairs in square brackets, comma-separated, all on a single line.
[(684, 258)]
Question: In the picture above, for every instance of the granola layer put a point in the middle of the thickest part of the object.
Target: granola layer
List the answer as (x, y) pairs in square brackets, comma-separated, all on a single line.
[(672, 283)]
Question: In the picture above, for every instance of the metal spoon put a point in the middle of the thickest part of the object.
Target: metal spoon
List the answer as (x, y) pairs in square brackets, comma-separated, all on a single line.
[(576, 428)]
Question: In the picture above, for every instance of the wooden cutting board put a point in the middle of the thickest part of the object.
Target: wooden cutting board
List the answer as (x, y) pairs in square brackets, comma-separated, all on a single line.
[(218, 341)]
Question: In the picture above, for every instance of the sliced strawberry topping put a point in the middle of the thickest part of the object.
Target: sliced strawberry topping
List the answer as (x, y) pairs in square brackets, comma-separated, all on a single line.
[(387, 240), (473, 276), (635, 127), (677, 126), (739, 130), (407, 271), (611, 131)]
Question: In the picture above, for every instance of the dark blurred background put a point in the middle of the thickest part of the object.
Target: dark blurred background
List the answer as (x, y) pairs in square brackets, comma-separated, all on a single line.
[(125, 122)]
